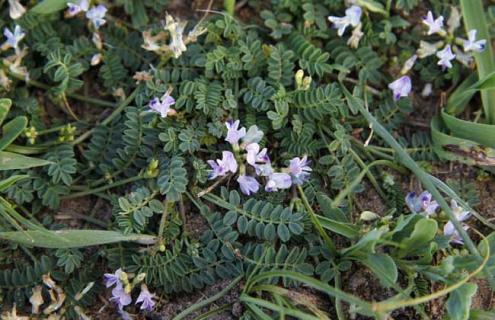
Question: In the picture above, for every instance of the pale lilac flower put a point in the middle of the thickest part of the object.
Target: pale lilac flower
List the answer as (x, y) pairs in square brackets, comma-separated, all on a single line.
[(234, 134), (401, 87), (278, 181), (16, 10), (75, 8), (299, 170), (223, 166), (445, 56), (434, 25), (146, 298), (449, 229), (472, 45), (253, 135), (248, 184), (422, 203), (13, 38), (162, 106), (120, 296), (112, 278), (352, 17), (255, 156), (96, 15)]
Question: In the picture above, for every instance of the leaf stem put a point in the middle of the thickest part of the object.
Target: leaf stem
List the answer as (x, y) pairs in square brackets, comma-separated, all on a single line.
[(316, 223), (211, 299), (102, 188)]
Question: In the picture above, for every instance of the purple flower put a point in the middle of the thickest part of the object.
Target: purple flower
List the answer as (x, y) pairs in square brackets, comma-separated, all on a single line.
[(255, 156), (253, 135), (146, 298), (112, 278), (223, 166), (352, 17), (449, 229), (234, 134), (445, 57), (162, 106), (96, 15), (120, 296), (299, 170), (472, 45), (434, 25), (422, 203), (401, 87), (78, 6), (278, 181), (248, 184), (13, 38)]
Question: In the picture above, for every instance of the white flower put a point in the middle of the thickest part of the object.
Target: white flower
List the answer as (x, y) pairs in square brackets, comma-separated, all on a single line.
[(460, 215), (445, 56), (427, 49), (464, 58), (253, 135), (96, 59), (352, 17), (13, 38), (409, 64), (401, 87), (472, 45), (427, 90), (96, 15), (176, 30), (278, 181), (434, 25), (454, 21), (76, 7), (356, 36), (16, 10)]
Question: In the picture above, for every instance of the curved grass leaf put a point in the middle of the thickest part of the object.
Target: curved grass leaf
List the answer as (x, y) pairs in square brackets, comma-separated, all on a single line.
[(72, 238), (12, 130), (5, 105), (478, 132), (474, 18), (13, 161)]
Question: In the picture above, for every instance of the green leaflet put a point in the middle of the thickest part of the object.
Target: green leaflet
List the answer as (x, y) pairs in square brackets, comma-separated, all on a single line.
[(459, 301), (72, 238), (49, 6), (423, 233), (12, 161), (383, 266)]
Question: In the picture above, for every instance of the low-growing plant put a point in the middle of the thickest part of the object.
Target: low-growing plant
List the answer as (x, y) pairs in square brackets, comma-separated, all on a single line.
[(146, 157)]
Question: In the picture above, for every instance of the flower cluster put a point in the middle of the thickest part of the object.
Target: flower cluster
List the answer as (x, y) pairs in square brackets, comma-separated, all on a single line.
[(352, 18), (445, 50), (96, 14), (121, 293), (247, 141), (423, 204), (177, 39)]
